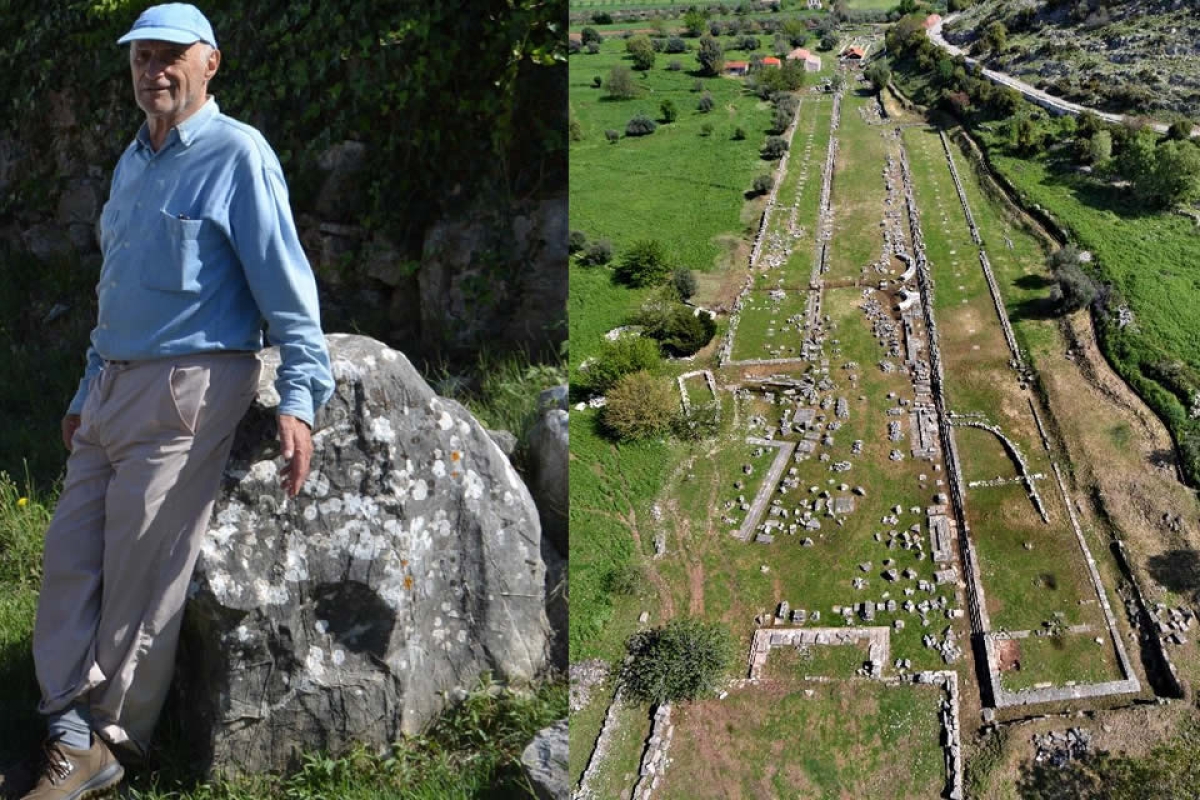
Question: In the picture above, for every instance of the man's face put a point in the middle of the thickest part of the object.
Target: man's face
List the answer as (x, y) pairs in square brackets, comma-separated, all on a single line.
[(170, 80)]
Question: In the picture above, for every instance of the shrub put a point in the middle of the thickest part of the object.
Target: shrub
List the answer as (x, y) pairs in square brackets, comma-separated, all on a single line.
[(995, 36), (684, 282), (644, 264), (597, 253), (829, 41), (675, 65), (640, 125), (641, 51), (681, 661), (878, 74), (706, 103), (593, 48), (669, 112), (1180, 130), (612, 136), (640, 406), (624, 579), (597, 82), (762, 184), (780, 120), (739, 134), (774, 148), (680, 330), (602, 18), (698, 86), (706, 129), (676, 44), (589, 35), (576, 241), (620, 84), (711, 57), (748, 43), (616, 359)]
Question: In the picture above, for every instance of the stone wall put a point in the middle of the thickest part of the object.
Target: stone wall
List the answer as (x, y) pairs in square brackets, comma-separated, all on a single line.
[(654, 759)]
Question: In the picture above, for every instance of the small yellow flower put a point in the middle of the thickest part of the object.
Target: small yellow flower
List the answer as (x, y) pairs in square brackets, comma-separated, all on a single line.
[(22, 502)]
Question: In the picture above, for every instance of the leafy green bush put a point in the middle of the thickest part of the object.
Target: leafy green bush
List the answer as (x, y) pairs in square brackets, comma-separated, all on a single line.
[(682, 331), (576, 241), (589, 35), (684, 282), (774, 148), (682, 661), (762, 184), (676, 44), (711, 56), (644, 264), (616, 359), (640, 125), (706, 103), (641, 51), (669, 112), (620, 84), (639, 406), (597, 253), (624, 579), (739, 134)]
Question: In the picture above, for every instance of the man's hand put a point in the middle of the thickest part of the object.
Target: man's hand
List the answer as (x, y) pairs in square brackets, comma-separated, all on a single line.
[(70, 424), (295, 440)]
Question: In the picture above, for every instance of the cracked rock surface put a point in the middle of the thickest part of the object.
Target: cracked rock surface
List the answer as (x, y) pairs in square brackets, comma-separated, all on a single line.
[(409, 565)]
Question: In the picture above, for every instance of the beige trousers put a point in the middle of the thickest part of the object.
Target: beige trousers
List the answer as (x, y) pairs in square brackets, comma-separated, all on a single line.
[(145, 466)]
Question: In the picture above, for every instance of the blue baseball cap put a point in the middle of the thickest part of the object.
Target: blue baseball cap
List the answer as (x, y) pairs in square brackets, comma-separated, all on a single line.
[(181, 23)]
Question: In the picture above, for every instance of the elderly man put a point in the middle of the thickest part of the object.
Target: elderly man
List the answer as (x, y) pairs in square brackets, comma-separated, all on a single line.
[(199, 249)]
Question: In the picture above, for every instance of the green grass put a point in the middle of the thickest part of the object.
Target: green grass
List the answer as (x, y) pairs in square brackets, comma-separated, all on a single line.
[(858, 191), (585, 727), (854, 738), (675, 185), (1059, 659), (764, 330), (611, 486), (827, 661), (618, 771)]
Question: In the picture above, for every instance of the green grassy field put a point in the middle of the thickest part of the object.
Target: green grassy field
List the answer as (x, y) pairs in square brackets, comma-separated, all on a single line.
[(792, 739), (770, 328), (1058, 660), (858, 191), (676, 185)]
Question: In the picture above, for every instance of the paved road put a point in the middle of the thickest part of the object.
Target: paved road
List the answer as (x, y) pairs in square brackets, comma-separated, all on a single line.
[(1031, 93)]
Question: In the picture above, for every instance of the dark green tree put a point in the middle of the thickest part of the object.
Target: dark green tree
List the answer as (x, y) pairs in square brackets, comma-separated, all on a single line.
[(589, 35), (669, 112), (640, 125), (774, 148), (878, 74), (684, 282), (616, 359), (644, 264), (710, 56), (706, 103), (682, 661), (682, 331)]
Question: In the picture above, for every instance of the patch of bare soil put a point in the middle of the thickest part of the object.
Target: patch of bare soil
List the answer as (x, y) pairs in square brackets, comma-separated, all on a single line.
[(1008, 651)]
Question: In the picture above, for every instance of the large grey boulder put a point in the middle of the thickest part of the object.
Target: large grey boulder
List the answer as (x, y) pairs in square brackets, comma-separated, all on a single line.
[(408, 566), (545, 762)]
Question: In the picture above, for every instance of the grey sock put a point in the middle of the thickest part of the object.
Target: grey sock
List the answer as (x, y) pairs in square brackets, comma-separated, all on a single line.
[(73, 727)]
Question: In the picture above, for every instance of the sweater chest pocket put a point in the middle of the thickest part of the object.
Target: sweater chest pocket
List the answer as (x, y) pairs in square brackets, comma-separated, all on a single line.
[(175, 267)]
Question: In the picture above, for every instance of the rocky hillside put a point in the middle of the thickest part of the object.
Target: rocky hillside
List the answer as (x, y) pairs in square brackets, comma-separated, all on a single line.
[(1125, 56)]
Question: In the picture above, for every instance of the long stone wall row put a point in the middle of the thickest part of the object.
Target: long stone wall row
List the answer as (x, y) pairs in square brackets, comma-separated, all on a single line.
[(759, 506), (976, 601), (994, 288), (600, 750), (654, 758)]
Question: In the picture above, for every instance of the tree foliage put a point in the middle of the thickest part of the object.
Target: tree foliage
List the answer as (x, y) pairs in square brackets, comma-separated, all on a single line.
[(639, 406), (711, 56), (640, 125), (705, 104), (681, 661), (641, 51), (878, 74), (644, 264), (684, 282), (680, 329), (620, 84), (774, 148), (616, 359), (669, 112)]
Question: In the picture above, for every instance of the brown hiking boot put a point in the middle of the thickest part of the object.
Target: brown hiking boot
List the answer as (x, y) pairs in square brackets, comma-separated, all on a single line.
[(68, 774)]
